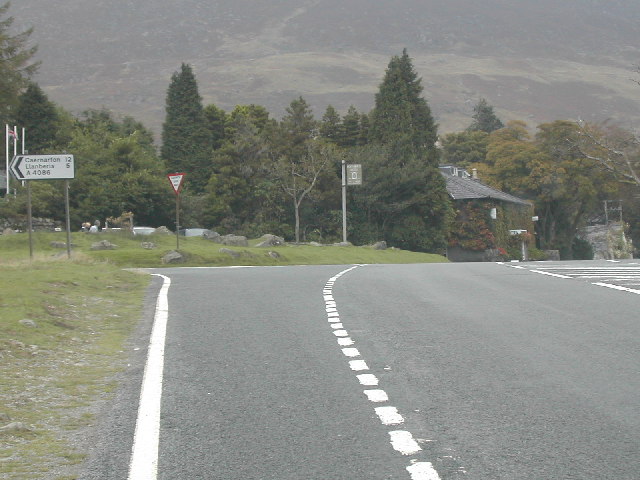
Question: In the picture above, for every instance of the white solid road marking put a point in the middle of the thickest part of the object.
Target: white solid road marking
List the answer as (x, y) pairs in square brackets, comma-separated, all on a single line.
[(389, 415), (617, 287), (345, 342), (550, 274), (144, 453), (403, 442)]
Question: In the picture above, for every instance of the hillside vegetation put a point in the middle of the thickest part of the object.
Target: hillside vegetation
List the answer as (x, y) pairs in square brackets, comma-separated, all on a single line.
[(535, 61)]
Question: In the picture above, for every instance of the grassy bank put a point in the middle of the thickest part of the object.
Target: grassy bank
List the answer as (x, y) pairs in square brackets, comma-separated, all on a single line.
[(64, 324), (198, 251)]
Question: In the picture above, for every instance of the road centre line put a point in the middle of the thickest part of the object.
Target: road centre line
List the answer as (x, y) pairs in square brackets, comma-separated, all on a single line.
[(143, 464), (401, 441)]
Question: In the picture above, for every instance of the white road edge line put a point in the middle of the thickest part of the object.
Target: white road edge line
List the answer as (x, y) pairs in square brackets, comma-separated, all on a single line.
[(557, 275), (144, 452), (617, 287)]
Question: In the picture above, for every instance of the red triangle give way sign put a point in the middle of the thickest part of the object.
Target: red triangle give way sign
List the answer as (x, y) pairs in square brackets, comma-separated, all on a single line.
[(176, 181)]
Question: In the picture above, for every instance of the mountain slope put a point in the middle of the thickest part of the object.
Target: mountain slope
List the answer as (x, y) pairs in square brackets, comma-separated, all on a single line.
[(535, 61)]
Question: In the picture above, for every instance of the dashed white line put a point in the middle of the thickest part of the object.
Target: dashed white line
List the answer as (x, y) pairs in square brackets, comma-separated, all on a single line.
[(389, 415), (358, 365), (351, 352), (367, 379), (377, 396), (403, 442), (423, 471)]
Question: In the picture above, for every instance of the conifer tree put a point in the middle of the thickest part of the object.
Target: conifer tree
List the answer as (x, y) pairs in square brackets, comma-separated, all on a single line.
[(402, 118), (330, 127), (38, 116), (16, 65), (484, 119), (186, 145), (418, 207)]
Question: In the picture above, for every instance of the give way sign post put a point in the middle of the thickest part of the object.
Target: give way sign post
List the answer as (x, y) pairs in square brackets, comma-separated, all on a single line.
[(176, 182)]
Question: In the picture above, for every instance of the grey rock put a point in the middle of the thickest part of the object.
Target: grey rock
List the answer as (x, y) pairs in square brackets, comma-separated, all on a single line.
[(228, 251), (26, 322), (315, 244), (343, 244), (235, 241), (8, 231), (173, 257), (269, 240), (58, 244), (273, 254), (163, 231), (382, 245), (103, 245), (213, 236), (148, 245)]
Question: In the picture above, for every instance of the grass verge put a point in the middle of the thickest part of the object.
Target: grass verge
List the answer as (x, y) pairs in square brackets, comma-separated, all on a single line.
[(62, 330)]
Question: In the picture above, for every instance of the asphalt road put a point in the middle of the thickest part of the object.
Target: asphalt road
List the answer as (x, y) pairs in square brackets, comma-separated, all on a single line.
[(483, 371)]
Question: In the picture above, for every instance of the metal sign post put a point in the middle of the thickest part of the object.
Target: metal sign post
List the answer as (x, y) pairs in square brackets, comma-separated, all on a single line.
[(351, 175), (176, 183)]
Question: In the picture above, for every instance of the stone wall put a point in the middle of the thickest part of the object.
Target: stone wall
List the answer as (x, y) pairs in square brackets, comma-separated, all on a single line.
[(39, 224)]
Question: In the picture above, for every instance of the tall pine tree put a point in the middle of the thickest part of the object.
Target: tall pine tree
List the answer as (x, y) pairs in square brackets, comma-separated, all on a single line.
[(186, 142), (402, 123)]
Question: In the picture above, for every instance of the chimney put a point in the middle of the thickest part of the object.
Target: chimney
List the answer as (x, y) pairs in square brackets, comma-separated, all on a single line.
[(474, 173)]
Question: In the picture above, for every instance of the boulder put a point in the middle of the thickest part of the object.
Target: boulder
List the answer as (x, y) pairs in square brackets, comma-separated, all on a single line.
[(343, 244), (382, 245), (273, 254), (148, 245), (26, 322), (173, 257), (231, 253), (163, 231), (269, 240), (8, 231), (213, 236), (103, 245), (58, 244), (235, 241)]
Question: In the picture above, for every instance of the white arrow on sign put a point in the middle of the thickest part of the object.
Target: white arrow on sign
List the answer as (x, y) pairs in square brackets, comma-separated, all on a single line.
[(42, 167), (176, 181)]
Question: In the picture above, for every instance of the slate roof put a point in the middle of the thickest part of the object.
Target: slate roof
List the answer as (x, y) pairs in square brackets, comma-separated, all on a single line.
[(467, 188)]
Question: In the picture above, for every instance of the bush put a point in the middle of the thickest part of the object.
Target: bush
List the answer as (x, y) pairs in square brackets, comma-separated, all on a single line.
[(582, 249)]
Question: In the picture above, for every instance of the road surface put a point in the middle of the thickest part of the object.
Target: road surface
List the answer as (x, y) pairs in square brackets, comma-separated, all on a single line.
[(450, 371)]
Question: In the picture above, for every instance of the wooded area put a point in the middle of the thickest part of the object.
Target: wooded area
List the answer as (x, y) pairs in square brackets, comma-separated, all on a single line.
[(250, 174)]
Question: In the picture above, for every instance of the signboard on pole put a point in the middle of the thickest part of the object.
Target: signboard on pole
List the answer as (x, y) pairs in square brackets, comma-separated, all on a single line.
[(354, 174), (42, 167), (176, 181)]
